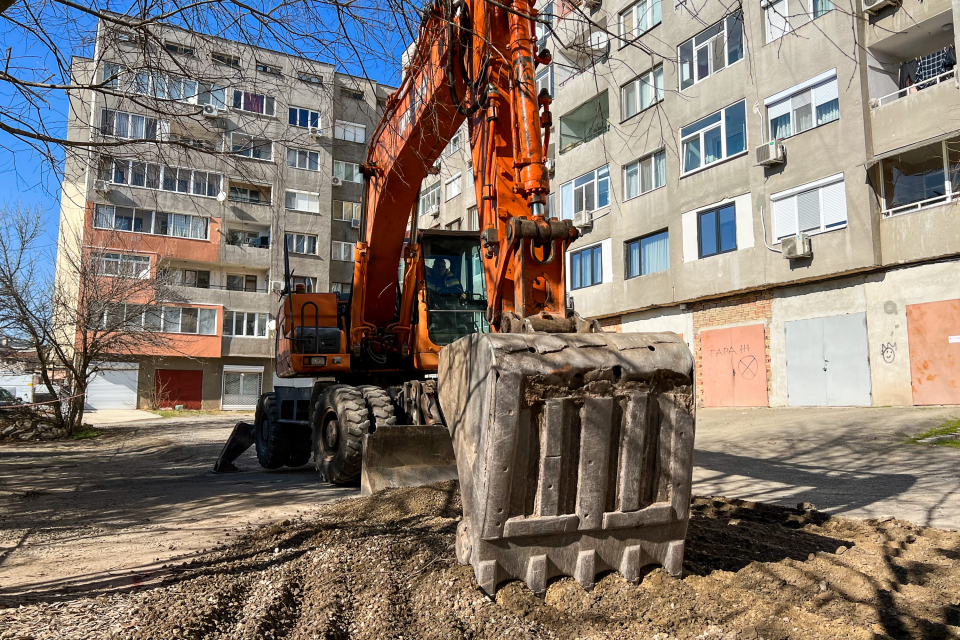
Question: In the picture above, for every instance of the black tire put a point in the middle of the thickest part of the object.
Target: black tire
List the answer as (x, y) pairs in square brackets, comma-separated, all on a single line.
[(273, 446), (379, 407), (340, 420)]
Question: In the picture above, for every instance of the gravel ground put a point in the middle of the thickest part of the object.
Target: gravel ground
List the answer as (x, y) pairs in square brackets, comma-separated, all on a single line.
[(384, 567)]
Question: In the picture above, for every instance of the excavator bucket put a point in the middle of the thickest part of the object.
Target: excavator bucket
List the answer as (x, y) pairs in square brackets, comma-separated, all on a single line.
[(574, 451), (406, 456)]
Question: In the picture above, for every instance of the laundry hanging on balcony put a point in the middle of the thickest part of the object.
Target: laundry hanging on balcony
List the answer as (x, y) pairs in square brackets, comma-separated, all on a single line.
[(915, 73)]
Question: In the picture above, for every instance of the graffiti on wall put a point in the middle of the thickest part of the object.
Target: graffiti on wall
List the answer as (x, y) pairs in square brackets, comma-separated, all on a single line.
[(888, 352)]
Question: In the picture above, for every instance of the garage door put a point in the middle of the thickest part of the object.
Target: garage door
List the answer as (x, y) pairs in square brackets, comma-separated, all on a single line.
[(933, 329), (176, 387), (241, 387), (734, 367), (113, 388), (828, 362), (20, 386)]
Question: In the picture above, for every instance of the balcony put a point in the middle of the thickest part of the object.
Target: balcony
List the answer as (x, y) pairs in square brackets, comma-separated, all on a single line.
[(588, 121)]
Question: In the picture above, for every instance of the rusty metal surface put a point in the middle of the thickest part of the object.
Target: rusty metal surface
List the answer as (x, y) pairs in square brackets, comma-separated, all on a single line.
[(574, 453), (406, 456), (934, 332)]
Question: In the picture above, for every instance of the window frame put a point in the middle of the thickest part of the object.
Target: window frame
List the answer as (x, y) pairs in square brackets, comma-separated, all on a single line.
[(291, 110), (338, 210), (806, 10), (339, 248), (264, 197), (809, 87), (716, 210), (701, 132), (433, 192), (310, 195), (455, 180), (155, 222), (343, 165), (794, 192), (341, 127), (241, 96), (311, 157), (248, 151), (576, 258), (163, 320), (709, 45), (161, 176), (636, 86), (242, 315), (227, 59), (625, 38), (549, 73), (133, 260), (596, 181), (161, 127), (293, 238), (652, 156), (639, 242)]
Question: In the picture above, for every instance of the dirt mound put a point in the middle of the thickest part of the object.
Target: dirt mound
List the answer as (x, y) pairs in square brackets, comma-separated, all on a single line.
[(384, 567)]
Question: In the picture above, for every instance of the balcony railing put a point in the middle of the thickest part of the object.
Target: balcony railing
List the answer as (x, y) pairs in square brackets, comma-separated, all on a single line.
[(221, 287), (921, 204), (254, 243), (902, 93)]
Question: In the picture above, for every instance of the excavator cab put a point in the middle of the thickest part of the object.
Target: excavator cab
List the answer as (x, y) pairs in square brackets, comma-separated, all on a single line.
[(454, 286)]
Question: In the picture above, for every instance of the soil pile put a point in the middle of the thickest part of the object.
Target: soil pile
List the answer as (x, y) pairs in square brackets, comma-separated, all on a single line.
[(384, 567)]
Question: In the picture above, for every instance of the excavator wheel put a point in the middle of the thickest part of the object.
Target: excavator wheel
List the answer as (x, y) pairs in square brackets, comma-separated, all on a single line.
[(340, 420), (273, 446), (379, 406)]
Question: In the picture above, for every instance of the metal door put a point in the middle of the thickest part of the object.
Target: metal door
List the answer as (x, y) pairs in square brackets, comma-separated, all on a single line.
[(934, 332), (734, 366), (828, 362), (113, 388), (179, 387)]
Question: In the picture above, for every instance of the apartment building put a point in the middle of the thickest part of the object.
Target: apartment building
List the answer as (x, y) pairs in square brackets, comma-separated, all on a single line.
[(234, 150), (776, 182)]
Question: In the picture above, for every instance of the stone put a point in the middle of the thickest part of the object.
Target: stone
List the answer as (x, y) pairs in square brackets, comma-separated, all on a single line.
[(841, 550), (9, 430), (29, 435)]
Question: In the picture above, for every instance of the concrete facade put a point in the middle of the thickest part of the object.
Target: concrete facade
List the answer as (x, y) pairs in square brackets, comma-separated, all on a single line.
[(879, 246), (279, 174)]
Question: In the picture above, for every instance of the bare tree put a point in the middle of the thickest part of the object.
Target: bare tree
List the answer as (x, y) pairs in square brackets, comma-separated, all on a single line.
[(97, 307)]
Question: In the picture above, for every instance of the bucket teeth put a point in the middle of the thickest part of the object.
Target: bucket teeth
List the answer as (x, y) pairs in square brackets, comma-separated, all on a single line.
[(574, 456)]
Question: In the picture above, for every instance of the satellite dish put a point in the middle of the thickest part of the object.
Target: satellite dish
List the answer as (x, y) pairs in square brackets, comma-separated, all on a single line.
[(221, 196), (271, 325)]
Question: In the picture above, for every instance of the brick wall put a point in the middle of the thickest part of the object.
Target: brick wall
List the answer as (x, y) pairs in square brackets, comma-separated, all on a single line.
[(736, 310), (613, 325)]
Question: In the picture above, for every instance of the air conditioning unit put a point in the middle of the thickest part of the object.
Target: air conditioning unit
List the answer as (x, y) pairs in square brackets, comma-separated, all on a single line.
[(336, 181), (101, 186), (316, 132), (355, 223), (551, 165), (583, 219), (796, 247), (771, 153), (434, 210), (873, 6), (210, 111)]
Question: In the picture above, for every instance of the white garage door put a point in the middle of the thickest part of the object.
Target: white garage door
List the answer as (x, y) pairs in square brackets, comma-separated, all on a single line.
[(19, 385), (113, 388)]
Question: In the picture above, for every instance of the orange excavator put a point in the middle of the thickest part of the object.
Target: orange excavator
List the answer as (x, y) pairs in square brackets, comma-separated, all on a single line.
[(573, 447)]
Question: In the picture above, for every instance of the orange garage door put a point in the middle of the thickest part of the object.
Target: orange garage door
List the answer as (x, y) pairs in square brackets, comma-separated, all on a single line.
[(734, 367), (934, 332)]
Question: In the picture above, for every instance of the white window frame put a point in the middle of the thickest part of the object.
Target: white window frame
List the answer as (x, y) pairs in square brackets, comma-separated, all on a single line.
[(311, 198), (247, 151), (819, 185), (810, 88), (269, 103), (708, 44), (450, 185), (545, 79), (161, 127), (654, 174), (266, 193), (342, 251), (307, 239), (260, 323), (162, 174), (653, 79), (170, 87), (310, 115), (801, 11), (454, 145), (429, 198), (599, 175), (309, 283), (341, 206), (340, 171), (473, 218), (306, 156), (341, 287), (138, 266), (350, 131), (723, 139), (165, 329), (636, 11)]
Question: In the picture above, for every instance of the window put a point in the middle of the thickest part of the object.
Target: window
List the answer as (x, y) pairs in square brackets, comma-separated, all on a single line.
[(212, 94), (305, 118), (451, 188), (309, 78), (242, 283), (589, 192), (188, 320), (639, 18), (647, 255), (716, 137), (717, 230), (341, 287), (586, 267), (783, 16), (269, 68), (711, 50), (302, 201), (124, 265), (309, 284), (473, 219), (151, 176), (250, 147), (111, 74), (349, 131), (347, 171), (811, 208), (348, 92), (128, 38), (346, 210), (153, 222), (255, 239), (642, 93), (131, 126), (584, 123), (646, 174), (179, 49), (192, 278), (301, 243), (225, 58), (245, 323), (303, 159), (920, 177), (543, 28), (545, 80), (342, 251), (453, 226), (803, 107), (454, 144), (430, 199), (253, 102), (249, 194)]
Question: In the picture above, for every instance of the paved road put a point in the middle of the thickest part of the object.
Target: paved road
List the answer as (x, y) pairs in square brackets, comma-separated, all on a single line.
[(846, 461)]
